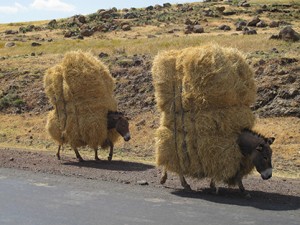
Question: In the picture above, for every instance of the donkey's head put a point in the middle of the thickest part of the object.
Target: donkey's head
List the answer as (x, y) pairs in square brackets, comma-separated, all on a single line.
[(258, 148), (120, 122)]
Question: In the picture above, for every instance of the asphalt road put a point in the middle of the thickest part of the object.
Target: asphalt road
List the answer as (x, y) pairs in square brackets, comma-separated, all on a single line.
[(28, 198)]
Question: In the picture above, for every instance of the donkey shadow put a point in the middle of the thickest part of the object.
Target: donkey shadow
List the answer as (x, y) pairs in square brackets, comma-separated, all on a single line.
[(115, 165), (260, 200)]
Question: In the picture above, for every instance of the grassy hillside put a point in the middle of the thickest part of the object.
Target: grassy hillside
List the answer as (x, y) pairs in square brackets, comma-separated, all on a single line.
[(127, 40)]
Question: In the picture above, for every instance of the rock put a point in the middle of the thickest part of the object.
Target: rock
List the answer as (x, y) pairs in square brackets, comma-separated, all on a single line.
[(149, 8), (247, 31), (244, 4), (167, 5), (81, 19), (224, 27), (288, 34), (198, 29), (11, 32), (220, 9), (274, 24), (261, 24), (253, 22), (126, 27), (35, 44), (130, 15), (229, 13), (9, 44), (103, 55), (52, 23), (87, 32), (69, 34), (142, 182)]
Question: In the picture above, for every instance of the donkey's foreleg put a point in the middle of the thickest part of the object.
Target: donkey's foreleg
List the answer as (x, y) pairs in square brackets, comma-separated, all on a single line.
[(164, 176), (184, 184), (78, 156), (96, 154), (242, 188), (111, 150)]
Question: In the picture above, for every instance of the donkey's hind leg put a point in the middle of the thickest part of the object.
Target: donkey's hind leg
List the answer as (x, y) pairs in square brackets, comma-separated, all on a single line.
[(184, 184), (164, 176)]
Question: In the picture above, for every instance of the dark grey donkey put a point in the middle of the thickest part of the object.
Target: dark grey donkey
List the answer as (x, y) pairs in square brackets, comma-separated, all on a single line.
[(254, 147), (115, 120)]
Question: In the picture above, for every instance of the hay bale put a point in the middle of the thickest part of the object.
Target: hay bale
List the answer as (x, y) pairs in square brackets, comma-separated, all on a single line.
[(203, 95), (215, 77), (81, 90)]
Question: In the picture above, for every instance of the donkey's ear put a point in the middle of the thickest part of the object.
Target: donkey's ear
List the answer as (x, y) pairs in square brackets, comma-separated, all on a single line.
[(270, 140)]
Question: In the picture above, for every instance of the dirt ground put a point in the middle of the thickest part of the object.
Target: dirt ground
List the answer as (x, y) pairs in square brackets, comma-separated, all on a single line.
[(285, 191)]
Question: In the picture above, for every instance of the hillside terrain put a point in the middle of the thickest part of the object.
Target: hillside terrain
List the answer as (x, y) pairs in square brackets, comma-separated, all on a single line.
[(127, 40)]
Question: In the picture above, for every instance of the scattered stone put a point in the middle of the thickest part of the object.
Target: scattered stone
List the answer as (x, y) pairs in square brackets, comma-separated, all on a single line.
[(167, 5), (35, 44), (103, 55), (229, 13), (69, 34), (261, 24), (274, 24), (52, 23), (87, 32), (220, 9), (126, 27), (224, 27), (149, 8), (142, 182), (253, 22), (198, 29), (288, 34), (11, 32), (247, 31), (9, 44)]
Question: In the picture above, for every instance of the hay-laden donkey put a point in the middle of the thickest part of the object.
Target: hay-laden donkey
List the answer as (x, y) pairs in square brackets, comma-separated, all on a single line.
[(115, 120), (253, 146)]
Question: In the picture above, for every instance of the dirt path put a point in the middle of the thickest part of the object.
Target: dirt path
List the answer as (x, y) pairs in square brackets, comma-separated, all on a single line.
[(284, 190)]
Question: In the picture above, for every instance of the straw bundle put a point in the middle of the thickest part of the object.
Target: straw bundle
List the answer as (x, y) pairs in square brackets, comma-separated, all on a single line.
[(81, 90), (203, 94)]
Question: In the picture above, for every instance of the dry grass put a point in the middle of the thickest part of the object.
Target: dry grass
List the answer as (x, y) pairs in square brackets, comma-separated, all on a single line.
[(28, 131), (247, 43)]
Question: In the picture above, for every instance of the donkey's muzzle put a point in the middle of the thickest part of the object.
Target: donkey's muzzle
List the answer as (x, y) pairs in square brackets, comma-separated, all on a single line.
[(127, 137)]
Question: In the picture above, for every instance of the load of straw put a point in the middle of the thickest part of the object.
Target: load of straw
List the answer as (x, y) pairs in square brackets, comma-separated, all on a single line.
[(80, 89), (204, 96)]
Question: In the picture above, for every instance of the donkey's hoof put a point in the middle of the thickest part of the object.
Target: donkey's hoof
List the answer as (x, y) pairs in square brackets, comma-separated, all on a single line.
[(187, 188), (109, 158), (80, 159), (163, 179)]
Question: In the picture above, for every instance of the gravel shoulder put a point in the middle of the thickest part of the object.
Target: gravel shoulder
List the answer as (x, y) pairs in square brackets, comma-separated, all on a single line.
[(278, 192)]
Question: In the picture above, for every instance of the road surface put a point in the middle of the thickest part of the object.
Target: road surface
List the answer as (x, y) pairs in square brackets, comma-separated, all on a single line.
[(28, 198)]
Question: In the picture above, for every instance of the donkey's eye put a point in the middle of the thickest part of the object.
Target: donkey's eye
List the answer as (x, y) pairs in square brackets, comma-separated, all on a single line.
[(265, 158)]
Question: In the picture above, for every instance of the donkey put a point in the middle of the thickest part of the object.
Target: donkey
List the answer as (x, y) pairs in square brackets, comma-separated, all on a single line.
[(253, 146), (115, 120)]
